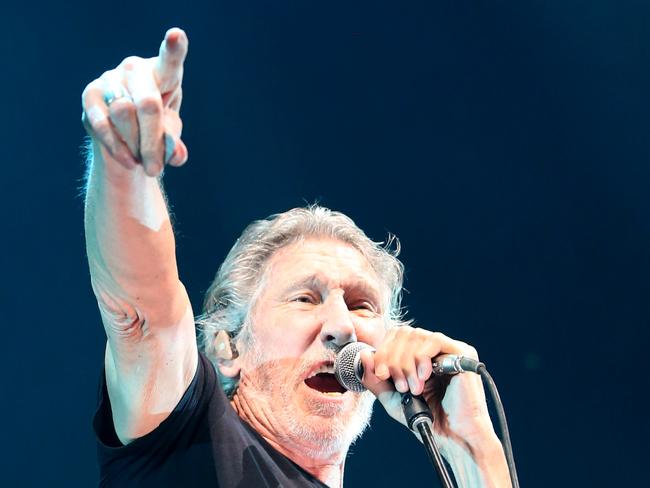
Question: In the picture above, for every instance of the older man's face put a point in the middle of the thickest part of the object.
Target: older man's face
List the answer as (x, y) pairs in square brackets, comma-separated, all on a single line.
[(317, 295)]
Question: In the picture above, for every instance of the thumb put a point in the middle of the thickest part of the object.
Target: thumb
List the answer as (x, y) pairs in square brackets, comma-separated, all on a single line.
[(175, 149)]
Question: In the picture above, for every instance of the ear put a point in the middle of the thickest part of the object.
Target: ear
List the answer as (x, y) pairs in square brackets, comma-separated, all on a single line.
[(227, 355)]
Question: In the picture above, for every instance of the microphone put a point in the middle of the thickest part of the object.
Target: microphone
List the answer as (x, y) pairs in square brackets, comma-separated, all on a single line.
[(349, 370)]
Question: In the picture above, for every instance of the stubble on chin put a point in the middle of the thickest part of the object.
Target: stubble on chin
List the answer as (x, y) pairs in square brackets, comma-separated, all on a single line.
[(319, 429)]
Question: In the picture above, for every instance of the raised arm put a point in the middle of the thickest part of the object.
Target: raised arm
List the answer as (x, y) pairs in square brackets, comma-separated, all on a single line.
[(132, 115)]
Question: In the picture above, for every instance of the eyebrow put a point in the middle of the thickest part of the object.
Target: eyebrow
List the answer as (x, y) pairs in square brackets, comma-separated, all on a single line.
[(314, 281), (311, 281)]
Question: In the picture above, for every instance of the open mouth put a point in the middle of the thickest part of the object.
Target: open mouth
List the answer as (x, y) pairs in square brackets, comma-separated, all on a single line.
[(323, 380)]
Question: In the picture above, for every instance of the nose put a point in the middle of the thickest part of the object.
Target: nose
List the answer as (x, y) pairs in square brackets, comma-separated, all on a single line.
[(337, 327)]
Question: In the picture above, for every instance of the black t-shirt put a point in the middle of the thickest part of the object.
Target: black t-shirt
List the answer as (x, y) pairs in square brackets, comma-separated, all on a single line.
[(203, 443)]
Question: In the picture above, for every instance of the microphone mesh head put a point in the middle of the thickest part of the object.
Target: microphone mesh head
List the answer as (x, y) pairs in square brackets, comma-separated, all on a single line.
[(347, 366)]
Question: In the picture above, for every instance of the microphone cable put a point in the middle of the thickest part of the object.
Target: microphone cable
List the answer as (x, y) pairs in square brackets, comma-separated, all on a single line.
[(503, 423)]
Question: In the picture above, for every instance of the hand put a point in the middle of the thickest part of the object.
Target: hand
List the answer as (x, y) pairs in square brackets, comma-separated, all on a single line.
[(457, 403), (132, 112)]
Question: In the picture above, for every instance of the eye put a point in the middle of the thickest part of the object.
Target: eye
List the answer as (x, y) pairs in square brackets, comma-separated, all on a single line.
[(305, 298), (363, 305)]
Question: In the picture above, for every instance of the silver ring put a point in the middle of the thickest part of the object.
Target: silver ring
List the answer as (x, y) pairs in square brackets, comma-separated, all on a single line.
[(112, 94)]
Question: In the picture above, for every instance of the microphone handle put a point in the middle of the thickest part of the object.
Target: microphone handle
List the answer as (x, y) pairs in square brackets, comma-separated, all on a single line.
[(450, 364), (415, 408)]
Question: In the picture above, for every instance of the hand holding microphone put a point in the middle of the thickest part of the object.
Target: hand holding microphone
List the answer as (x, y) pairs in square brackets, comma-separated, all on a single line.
[(430, 363), (349, 370), (411, 360)]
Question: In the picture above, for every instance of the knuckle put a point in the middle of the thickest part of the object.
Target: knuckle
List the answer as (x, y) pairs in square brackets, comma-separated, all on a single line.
[(403, 331), (422, 333), (422, 357), (91, 87), (395, 370), (150, 105), (470, 351), (101, 127), (437, 336), (402, 355), (131, 62), (109, 76), (390, 335), (122, 109)]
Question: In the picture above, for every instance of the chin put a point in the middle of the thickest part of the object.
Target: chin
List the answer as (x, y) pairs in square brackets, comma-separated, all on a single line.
[(320, 425), (328, 428)]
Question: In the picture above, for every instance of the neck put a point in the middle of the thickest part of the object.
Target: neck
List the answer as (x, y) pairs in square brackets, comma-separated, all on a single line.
[(326, 467)]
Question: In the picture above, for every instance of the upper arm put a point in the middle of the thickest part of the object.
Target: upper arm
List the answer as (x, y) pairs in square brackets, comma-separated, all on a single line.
[(150, 360)]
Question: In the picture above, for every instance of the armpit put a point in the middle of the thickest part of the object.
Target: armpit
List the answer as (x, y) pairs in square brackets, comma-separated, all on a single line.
[(120, 318)]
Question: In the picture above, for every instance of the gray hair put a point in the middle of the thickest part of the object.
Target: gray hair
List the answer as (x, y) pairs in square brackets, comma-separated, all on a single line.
[(231, 297)]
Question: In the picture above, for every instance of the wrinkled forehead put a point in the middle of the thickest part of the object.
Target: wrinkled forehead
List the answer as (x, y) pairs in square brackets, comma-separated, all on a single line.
[(322, 262)]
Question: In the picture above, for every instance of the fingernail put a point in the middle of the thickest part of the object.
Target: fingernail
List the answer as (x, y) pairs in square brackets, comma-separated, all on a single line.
[(400, 385), (421, 372), (413, 384), (170, 146), (381, 371)]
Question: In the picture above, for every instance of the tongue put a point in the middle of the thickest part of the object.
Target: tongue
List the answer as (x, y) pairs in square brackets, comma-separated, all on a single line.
[(325, 382)]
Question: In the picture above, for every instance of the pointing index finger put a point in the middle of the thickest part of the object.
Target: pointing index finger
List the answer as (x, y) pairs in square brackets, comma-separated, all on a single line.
[(169, 63)]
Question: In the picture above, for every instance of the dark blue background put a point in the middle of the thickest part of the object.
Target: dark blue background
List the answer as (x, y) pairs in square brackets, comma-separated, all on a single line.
[(504, 142)]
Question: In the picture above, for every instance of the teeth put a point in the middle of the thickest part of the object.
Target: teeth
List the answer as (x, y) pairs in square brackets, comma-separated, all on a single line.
[(323, 368)]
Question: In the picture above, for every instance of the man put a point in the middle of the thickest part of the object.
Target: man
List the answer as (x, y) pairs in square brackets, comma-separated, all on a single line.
[(293, 290)]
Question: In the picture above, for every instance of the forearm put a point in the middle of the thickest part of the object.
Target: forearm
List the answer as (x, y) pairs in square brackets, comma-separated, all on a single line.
[(484, 466), (129, 239)]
